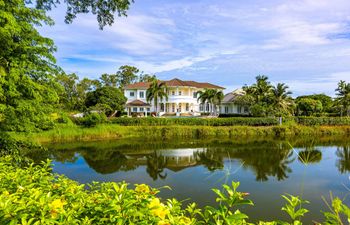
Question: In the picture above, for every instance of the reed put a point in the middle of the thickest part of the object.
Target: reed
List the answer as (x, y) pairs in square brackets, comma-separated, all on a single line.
[(74, 133)]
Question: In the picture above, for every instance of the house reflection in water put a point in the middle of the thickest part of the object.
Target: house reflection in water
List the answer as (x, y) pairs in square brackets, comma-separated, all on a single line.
[(172, 159)]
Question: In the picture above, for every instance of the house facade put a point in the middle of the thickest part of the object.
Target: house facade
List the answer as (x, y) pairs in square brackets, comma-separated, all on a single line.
[(182, 98), (228, 105)]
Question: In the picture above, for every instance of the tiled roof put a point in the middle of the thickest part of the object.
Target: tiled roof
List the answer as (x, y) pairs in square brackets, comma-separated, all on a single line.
[(137, 103), (230, 97), (174, 83)]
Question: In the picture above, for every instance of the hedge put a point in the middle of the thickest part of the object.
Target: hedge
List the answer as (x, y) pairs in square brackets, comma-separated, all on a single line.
[(150, 121), (323, 121)]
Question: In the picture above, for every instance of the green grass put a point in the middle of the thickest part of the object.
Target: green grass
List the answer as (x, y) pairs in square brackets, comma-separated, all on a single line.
[(72, 133)]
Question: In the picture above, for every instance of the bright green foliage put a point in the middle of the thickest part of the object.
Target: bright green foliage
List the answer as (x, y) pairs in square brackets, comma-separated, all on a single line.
[(339, 212), (308, 106), (227, 212), (326, 101), (211, 96), (107, 99), (157, 91), (343, 100), (264, 99), (27, 67), (92, 119), (294, 208)]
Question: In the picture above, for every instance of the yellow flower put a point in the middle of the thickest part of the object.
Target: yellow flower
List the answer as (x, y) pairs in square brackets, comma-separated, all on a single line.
[(142, 188), (185, 220), (163, 222), (158, 209), (57, 204)]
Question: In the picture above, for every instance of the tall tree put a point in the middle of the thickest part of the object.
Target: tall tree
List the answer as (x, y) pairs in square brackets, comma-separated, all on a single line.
[(104, 10), (157, 91), (110, 80), (127, 75), (107, 99), (343, 99), (27, 67), (281, 101), (261, 90), (147, 78)]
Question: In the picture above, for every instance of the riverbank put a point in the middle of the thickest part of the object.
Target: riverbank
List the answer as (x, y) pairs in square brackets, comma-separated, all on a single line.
[(72, 133)]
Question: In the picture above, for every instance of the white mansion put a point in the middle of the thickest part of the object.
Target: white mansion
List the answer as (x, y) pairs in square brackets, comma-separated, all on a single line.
[(182, 99)]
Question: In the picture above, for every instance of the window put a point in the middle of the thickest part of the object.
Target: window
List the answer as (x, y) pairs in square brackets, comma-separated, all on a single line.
[(141, 109), (172, 92), (246, 110), (194, 94), (201, 108), (142, 94), (239, 109), (226, 109), (180, 92), (162, 107), (148, 109), (132, 94), (187, 107), (173, 107), (207, 107), (134, 109)]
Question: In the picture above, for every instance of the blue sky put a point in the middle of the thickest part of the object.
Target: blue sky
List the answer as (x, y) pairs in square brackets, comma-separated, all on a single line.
[(304, 43)]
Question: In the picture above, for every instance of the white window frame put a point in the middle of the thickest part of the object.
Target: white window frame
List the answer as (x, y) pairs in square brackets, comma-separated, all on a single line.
[(132, 94), (142, 93)]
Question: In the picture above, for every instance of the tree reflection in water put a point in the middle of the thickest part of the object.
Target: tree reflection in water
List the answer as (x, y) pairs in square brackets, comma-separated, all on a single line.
[(267, 162), (343, 163), (310, 155), (210, 159), (155, 166)]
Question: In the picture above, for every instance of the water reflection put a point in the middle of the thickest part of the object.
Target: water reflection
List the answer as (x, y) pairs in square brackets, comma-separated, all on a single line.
[(343, 163)]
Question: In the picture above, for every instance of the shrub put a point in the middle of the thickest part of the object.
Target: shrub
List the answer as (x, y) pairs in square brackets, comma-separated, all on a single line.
[(233, 115), (323, 121), (92, 119)]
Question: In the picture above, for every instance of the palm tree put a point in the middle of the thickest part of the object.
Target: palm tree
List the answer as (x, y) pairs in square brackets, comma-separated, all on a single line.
[(260, 90), (211, 96), (280, 98), (156, 91), (343, 92)]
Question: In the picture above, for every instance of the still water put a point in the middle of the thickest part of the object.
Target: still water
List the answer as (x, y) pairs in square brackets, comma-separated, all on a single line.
[(265, 169)]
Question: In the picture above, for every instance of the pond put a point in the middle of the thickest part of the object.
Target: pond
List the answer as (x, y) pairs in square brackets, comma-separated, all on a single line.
[(265, 169)]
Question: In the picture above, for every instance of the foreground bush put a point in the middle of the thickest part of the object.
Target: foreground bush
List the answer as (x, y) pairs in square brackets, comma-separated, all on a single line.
[(323, 121), (33, 195)]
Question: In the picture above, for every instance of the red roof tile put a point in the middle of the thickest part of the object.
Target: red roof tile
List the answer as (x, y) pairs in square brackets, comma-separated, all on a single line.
[(137, 103), (174, 83)]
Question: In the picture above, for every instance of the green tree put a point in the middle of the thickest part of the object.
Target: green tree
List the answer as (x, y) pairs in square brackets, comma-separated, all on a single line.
[(110, 80), (327, 101), (157, 91), (308, 106), (68, 95), (147, 78), (127, 75), (211, 96), (261, 90), (104, 10), (27, 68), (282, 103), (106, 99), (343, 99)]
